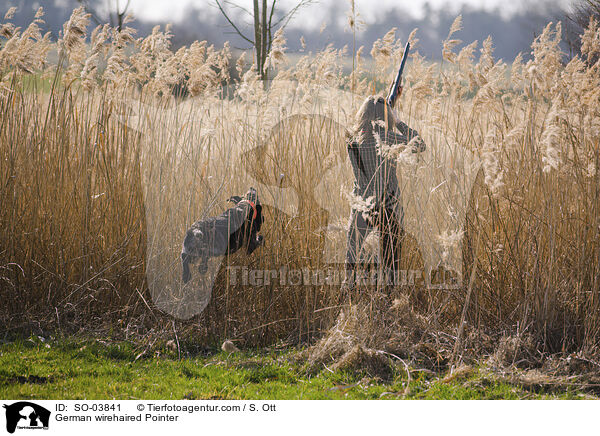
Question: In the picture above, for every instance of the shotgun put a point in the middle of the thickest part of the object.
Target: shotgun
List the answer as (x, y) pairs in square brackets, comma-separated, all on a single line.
[(396, 89)]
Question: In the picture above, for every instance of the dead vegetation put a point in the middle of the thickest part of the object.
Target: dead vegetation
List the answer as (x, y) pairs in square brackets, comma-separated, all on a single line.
[(101, 169)]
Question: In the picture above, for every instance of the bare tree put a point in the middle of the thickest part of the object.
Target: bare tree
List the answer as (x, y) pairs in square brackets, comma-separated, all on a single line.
[(264, 26), (579, 19), (115, 17)]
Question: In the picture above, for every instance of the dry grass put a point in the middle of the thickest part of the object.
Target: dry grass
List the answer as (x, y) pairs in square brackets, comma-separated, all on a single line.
[(102, 170)]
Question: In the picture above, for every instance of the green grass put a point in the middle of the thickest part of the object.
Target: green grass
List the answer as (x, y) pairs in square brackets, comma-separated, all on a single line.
[(37, 83), (31, 369)]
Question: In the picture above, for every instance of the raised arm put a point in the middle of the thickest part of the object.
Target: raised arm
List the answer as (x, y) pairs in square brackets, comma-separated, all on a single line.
[(404, 137), (410, 134)]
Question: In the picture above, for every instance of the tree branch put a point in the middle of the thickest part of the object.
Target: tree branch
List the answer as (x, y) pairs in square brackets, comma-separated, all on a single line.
[(287, 17), (258, 43), (270, 27), (264, 39), (233, 5), (126, 7), (238, 31)]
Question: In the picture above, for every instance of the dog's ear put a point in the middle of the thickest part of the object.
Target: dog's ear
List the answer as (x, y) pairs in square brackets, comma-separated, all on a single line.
[(252, 195), (259, 213), (235, 199)]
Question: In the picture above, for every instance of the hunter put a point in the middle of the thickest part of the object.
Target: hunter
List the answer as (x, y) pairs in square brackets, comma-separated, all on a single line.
[(375, 179)]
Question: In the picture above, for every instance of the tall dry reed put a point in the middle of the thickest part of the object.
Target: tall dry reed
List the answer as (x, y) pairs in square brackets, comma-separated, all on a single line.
[(102, 169)]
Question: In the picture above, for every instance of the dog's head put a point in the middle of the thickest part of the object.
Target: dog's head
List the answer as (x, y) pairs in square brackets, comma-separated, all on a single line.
[(251, 198)]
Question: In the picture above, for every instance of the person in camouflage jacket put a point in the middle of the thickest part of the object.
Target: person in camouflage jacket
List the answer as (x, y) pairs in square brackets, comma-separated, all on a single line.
[(376, 184)]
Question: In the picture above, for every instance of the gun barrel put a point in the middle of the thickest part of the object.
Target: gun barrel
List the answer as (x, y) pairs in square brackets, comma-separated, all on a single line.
[(396, 84)]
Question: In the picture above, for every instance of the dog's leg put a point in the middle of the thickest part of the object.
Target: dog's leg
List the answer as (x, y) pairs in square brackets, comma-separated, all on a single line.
[(185, 263), (253, 244), (203, 266)]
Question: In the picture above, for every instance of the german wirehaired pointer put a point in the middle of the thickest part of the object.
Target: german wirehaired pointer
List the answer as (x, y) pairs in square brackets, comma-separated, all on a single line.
[(223, 235)]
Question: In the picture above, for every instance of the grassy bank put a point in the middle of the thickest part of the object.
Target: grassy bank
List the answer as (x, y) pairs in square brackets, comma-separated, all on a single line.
[(32, 369)]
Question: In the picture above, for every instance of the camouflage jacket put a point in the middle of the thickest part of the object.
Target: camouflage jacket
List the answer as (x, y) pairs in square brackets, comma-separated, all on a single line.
[(375, 175)]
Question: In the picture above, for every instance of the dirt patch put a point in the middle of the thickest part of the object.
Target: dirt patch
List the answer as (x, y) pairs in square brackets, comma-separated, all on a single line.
[(30, 379)]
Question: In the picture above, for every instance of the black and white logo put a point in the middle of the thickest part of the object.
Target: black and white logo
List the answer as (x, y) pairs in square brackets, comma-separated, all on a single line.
[(26, 415)]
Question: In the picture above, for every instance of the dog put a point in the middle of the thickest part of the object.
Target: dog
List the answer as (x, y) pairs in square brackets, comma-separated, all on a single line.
[(223, 235)]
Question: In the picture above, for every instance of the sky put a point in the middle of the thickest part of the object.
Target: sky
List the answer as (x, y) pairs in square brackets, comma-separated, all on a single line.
[(314, 15), (325, 21)]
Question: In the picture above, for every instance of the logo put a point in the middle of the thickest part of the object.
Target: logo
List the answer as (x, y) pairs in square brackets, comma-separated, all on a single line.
[(26, 415)]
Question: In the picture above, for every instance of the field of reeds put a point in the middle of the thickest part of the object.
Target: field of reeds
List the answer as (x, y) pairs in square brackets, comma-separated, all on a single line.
[(111, 146)]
